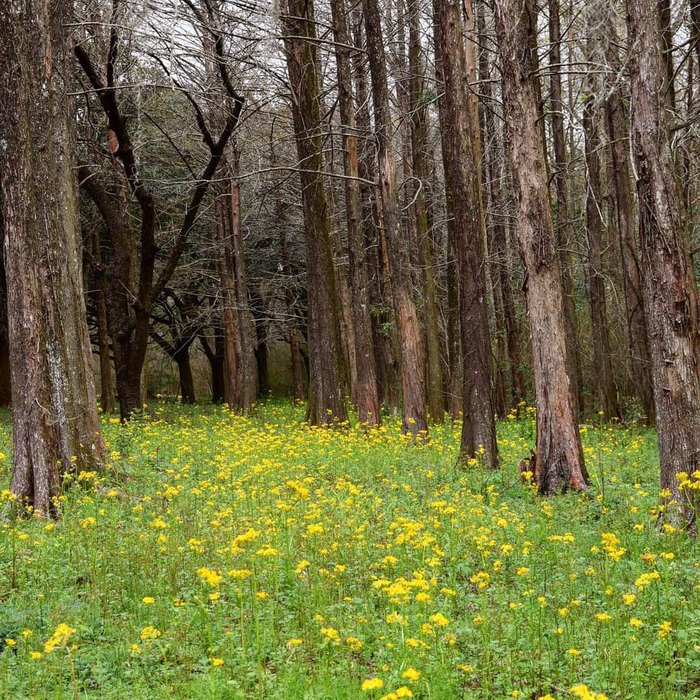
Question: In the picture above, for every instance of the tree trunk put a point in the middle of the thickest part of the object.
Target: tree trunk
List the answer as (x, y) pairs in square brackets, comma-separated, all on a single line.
[(5, 385), (182, 359), (417, 190), (563, 229), (55, 423), (245, 320), (366, 389), (326, 402), (478, 425), (499, 250), (600, 337), (411, 347), (559, 457), (670, 290), (227, 218), (100, 295), (640, 357), (383, 331)]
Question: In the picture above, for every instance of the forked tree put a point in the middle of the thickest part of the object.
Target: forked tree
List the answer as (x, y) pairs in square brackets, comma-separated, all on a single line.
[(559, 463), (55, 423)]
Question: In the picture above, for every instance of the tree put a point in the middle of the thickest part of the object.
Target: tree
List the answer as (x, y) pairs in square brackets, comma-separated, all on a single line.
[(136, 284), (55, 422), (326, 401), (478, 425), (559, 458), (563, 228), (366, 390), (670, 290), (412, 358)]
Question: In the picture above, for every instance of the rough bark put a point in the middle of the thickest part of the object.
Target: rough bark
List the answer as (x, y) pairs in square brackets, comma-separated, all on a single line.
[(412, 361), (563, 228), (595, 225), (559, 454), (366, 387), (670, 291), (326, 403), (55, 423), (640, 358), (498, 240), (417, 186), (383, 330), (478, 424)]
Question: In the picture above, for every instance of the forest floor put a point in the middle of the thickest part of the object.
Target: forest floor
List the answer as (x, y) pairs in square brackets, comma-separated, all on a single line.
[(228, 557)]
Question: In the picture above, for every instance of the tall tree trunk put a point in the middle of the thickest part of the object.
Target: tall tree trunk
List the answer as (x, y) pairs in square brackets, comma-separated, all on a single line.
[(559, 458), (563, 229), (478, 425), (245, 319), (101, 321), (383, 332), (228, 214), (418, 185), (498, 252), (670, 290), (366, 389), (412, 360), (326, 403), (600, 337), (55, 423), (618, 135)]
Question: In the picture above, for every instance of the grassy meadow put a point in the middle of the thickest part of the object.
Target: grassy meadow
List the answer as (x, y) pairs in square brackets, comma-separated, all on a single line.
[(219, 556)]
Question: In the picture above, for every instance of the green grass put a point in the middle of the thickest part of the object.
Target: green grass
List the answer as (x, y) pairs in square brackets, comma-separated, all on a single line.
[(362, 557)]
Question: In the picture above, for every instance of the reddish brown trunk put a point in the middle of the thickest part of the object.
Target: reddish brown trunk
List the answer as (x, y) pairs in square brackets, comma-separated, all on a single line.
[(366, 386), (559, 454), (411, 347)]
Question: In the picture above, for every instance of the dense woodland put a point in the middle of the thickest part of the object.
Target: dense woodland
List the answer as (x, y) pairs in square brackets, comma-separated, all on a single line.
[(438, 210)]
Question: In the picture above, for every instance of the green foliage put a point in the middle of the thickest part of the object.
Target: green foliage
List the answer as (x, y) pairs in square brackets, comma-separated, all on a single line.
[(229, 557)]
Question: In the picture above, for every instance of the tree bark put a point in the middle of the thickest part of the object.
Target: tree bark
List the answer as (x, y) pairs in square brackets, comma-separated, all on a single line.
[(55, 423), (559, 457), (366, 389), (417, 191), (326, 402), (412, 361), (478, 425), (670, 289), (563, 229), (600, 336), (639, 354)]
